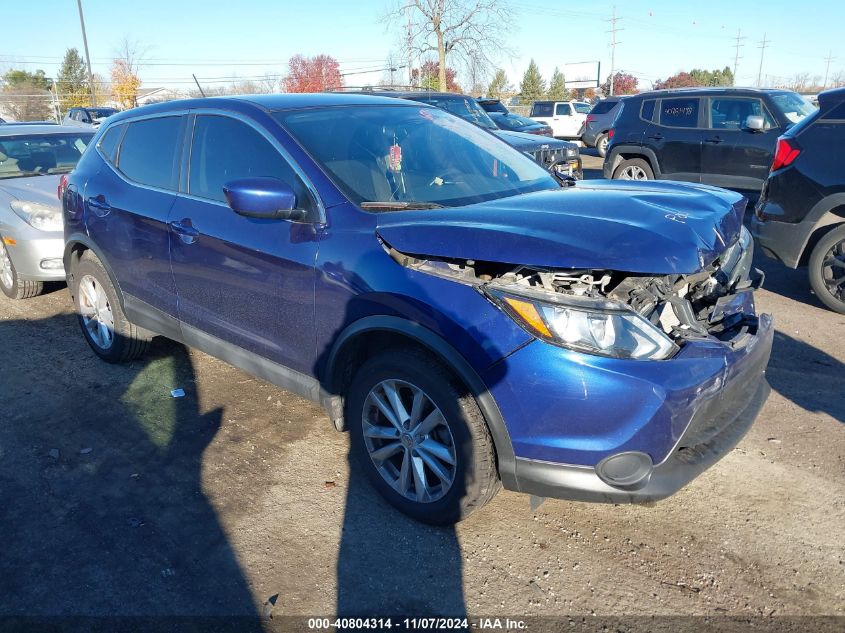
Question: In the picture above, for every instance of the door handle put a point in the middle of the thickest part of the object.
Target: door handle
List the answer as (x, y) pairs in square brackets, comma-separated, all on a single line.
[(99, 205), (185, 230), (715, 140), (656, 137)]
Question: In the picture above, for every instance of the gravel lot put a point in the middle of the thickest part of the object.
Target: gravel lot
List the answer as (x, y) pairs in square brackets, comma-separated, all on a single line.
[(117, 499)]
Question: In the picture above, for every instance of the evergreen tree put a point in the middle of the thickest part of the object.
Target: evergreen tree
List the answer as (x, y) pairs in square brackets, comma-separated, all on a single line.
[(499, 87), (557, 87), (72, 81), (533, 87)]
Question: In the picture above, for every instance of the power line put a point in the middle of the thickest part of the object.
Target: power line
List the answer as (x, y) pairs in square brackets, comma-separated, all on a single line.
[(613, 30), (737, 46), (828, 59), (763, 45)]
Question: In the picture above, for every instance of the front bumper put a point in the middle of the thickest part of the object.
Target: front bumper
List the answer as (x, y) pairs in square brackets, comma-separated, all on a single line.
[(566, 412), (36, 255)]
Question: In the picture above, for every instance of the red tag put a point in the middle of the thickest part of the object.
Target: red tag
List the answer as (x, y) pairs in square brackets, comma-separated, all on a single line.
[(395, 157)]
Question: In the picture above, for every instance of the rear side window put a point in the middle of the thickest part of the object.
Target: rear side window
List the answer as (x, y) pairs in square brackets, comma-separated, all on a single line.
[(541, 109), (225, 149), (563, 109), (108, 143), (647, 110), (679, 112), (149, 153), (603, 107)]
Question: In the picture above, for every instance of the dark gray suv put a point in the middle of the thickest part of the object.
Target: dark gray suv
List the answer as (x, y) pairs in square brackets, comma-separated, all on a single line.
[(599, 122)]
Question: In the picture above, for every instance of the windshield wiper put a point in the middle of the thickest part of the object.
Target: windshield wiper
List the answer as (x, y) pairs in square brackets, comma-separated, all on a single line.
[(398, 205)]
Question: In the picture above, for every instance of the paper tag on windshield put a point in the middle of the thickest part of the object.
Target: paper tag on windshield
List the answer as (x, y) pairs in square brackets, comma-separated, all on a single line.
[(394, 159)]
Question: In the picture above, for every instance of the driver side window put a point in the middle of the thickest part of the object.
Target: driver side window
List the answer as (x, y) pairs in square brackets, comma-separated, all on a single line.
[(226, 149)]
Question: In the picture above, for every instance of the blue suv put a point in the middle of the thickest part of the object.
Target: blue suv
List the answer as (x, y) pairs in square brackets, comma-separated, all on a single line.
[(469, 319)]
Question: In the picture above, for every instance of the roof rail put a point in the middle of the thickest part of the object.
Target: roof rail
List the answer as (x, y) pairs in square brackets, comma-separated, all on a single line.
[(376, 88)]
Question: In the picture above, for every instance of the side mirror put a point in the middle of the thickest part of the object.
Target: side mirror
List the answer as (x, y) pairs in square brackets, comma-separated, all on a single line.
[(267, 198), (755, 123)]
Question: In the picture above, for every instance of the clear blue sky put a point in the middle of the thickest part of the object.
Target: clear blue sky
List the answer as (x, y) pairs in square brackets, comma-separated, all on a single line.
[(248, 38)]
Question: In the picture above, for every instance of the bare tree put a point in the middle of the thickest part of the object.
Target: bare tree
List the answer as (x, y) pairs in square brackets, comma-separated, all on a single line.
[(471, 30)]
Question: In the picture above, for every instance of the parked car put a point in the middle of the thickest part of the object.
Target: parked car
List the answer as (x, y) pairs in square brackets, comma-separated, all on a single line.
[(599, 122), (564, 117), (493, 105), (31, 245), (800, 216), (468, 319), (717, 136), (88, 117), (30, 123), (559, 156), (516, 123)]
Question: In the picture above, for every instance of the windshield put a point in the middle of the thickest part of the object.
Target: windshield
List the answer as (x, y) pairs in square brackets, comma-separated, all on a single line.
[(41, 154), (465, 107), (793, 106), (412, 154), (101, 113)]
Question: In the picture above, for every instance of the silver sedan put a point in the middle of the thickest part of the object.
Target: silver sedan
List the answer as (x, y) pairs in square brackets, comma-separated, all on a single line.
[(32, 160)]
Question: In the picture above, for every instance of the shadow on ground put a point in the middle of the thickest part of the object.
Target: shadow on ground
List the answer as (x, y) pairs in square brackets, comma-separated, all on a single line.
[(103, 511)]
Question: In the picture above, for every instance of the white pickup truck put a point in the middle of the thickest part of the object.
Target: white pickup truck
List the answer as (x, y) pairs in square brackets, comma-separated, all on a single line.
[(564, 117)]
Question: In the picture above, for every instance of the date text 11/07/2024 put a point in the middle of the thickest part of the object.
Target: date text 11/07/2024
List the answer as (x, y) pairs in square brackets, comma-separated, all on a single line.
[(416, 624)]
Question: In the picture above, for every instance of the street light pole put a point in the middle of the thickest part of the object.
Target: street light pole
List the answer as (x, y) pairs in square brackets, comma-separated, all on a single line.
[(87, 56)]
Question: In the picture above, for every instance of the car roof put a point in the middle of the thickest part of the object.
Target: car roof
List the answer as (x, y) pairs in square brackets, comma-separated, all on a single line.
[(708, 90), (9, 130), (279, 101)]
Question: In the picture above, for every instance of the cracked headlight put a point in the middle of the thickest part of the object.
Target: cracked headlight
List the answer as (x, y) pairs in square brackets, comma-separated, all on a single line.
[(39, 216), (585, 325)]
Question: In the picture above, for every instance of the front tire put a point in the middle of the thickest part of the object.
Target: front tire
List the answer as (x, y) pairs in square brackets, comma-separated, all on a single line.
[(421, 437), (827, 270), (13, 286), (633, 169), (104, 325)]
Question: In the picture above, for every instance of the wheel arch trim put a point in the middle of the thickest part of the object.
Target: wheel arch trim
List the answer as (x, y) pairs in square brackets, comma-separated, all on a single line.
[(447, 354)]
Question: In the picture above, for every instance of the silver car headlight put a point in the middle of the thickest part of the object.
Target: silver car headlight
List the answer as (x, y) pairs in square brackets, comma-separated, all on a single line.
[(584, 325), (39, 216), (571, 153)]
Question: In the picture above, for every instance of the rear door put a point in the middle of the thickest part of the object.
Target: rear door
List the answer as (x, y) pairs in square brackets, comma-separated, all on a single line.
[(543, 111), (245, 281), (732, 155), (565, 122), (675, 138), (128, 204)]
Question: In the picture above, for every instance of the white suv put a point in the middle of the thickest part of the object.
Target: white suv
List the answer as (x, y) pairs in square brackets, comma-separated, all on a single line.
[(564, 117)]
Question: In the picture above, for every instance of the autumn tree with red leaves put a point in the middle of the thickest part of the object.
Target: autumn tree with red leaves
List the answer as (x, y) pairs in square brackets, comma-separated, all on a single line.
[(312, 74), (428, 77), (623, 84)]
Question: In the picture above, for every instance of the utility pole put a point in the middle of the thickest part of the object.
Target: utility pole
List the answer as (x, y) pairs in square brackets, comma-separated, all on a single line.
[(763, 45), (87, 56), (613, 30), (828, 59), (737, 46), (409, 45)]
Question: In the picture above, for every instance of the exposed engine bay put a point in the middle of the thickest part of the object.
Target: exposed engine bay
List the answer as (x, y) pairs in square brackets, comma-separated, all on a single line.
[(702, 305)]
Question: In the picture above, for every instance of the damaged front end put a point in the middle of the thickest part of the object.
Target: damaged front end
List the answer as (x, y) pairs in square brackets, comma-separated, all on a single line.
[(615, 313)]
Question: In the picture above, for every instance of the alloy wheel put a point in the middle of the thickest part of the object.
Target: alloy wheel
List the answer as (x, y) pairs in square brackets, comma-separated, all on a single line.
[(96, 312), (633, 172), (6, 276), (833, 270), (603, 145), (409, 441)]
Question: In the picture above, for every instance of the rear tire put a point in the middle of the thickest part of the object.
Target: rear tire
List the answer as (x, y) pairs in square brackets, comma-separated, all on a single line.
[(601, 145), (412, 470), (633, 169), (104, 325), (826, 269), (13, 286)]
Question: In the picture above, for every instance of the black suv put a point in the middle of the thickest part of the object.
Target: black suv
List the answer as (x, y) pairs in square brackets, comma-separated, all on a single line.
[(800, 217), (717, 136)]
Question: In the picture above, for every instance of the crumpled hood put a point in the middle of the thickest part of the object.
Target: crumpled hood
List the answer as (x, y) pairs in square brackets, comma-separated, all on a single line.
[(33, 189), (652, 228)]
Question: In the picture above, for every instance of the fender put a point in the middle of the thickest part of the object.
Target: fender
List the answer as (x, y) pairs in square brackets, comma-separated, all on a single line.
[(446, 353), (613, 158), (821, 215), (77, 238)]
